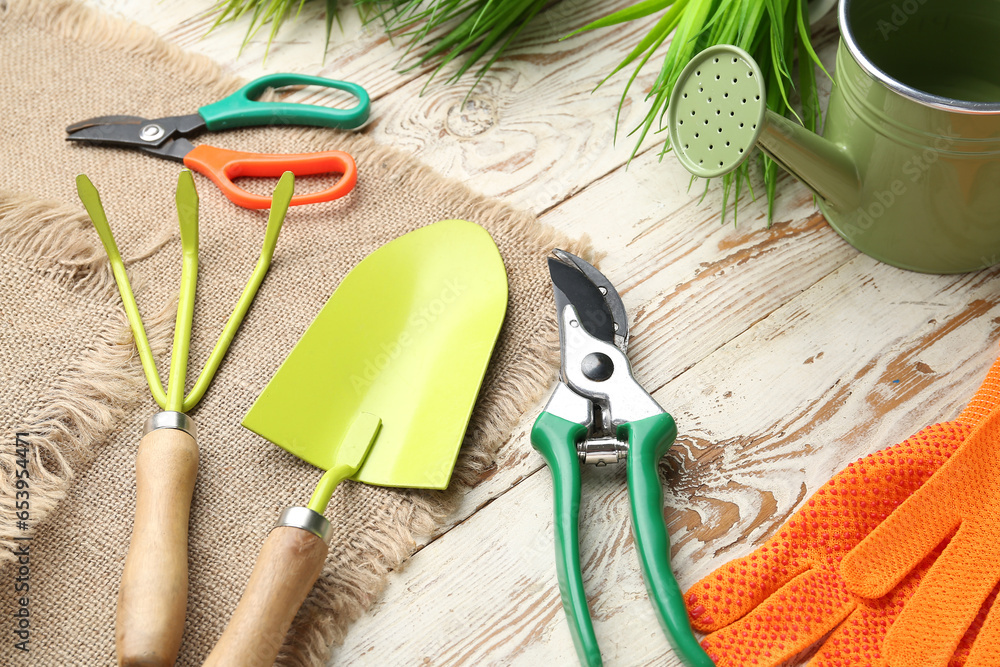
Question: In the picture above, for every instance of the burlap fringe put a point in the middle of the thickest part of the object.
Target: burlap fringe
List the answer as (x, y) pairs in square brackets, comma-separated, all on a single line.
[(336, 601), (89, 399)]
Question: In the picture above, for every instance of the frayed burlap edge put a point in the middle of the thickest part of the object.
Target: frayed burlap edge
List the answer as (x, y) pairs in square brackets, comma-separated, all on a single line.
[(336, 601), (88, 399)]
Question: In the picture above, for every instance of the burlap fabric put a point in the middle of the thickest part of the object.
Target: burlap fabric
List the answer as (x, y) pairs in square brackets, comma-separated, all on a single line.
[(69, 376)]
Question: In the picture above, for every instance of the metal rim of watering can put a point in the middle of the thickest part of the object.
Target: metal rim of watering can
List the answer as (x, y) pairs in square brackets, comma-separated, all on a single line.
[(934, 101)]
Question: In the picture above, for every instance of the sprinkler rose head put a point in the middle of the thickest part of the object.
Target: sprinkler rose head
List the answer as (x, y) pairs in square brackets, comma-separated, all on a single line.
[(717, 111)]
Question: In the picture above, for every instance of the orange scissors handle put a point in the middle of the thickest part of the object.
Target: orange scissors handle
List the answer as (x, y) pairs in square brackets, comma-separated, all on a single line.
[(222, 166)]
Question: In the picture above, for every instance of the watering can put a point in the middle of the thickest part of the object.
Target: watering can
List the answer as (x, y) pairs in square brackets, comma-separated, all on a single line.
[(908, 167)]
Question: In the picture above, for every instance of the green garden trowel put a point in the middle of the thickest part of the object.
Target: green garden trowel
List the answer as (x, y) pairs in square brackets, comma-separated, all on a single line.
[(380, 390)]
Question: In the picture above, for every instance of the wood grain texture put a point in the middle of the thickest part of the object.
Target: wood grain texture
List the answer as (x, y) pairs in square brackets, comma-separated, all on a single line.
[(759, 432), (532, 132), (152, 597), (286, 569), (782, 352)]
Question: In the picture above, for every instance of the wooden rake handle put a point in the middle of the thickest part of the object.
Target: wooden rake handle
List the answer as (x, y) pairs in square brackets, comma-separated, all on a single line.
[(152, 597), (288, 565)]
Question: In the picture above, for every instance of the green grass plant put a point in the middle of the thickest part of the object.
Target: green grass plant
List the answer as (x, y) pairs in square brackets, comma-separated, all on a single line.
[(772, 31)]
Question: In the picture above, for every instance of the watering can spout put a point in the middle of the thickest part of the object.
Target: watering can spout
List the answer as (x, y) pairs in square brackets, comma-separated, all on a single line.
[(826, 168), (718, 113)]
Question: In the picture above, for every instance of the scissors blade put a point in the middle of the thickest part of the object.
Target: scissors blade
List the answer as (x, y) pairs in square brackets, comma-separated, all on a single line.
[(611, 296), (105, 120), (135, 131), (119, 134), (596, 300)]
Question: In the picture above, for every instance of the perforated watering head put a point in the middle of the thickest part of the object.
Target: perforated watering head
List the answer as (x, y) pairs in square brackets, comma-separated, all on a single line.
[(717, 111)]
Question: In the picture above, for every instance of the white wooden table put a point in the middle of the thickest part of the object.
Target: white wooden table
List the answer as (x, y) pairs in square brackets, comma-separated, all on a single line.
[(783, 353)]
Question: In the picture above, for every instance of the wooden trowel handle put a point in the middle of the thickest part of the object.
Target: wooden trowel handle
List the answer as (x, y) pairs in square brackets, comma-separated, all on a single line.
[(287, 567), (153, 595)]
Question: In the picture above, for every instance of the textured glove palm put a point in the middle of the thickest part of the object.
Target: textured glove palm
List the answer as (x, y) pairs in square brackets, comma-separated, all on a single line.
[(963, 496), (788, 594)]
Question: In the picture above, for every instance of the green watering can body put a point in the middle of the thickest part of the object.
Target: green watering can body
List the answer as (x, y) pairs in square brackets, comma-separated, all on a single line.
[(928, 195), (908, 167)]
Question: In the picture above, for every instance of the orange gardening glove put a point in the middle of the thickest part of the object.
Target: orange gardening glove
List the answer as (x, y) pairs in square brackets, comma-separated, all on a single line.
[(964, 494), (784, 597)]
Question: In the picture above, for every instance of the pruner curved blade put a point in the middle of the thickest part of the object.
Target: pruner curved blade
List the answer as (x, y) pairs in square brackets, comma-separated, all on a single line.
[(601, 311)]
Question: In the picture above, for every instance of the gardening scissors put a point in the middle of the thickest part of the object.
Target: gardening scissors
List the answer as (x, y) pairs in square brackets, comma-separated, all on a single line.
[(599, 414), (167, 137)]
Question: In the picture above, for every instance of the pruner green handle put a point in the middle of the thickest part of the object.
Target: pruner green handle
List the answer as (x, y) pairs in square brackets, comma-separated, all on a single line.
[(648, 440), (556, 439)]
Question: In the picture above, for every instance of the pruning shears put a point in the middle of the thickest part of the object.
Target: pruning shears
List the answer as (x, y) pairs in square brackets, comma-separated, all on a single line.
[(167, 137), (599, 414)]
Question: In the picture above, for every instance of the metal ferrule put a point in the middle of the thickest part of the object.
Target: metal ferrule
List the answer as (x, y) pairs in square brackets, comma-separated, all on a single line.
[(171, 419), (308, 520)]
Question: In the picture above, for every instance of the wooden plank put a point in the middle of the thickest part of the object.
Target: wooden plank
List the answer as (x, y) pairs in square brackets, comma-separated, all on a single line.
[(678, 268), (533, 132), (693, 264), (857, 363)]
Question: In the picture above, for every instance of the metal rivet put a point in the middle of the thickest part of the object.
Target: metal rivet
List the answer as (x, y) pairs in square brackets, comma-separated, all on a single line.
[(597, 366), (151, 132)]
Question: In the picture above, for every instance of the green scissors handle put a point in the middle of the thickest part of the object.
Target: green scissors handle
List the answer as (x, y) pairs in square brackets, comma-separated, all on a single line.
[(648, 440), (242, 109)]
